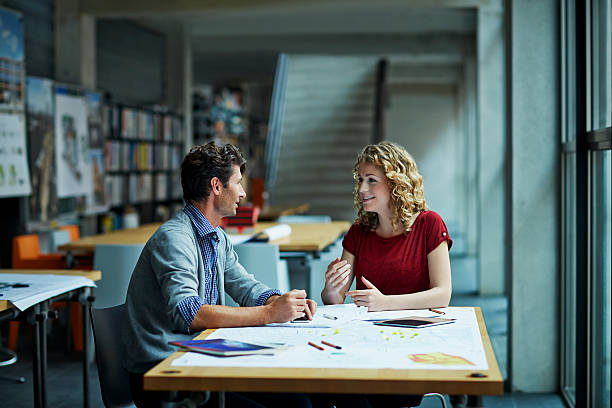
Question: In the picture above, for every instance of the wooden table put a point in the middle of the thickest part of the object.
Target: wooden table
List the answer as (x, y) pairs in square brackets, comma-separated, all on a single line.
[(303, 238), (37, 315), (165, 377)]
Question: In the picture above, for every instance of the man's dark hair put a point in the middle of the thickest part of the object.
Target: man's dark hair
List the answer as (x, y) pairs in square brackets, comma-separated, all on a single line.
[(202, 163)]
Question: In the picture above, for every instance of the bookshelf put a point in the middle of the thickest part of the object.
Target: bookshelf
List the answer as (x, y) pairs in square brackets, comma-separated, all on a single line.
[(143, 153)]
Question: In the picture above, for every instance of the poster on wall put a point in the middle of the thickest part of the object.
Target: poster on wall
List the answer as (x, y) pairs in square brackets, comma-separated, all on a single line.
[(12, 73), (71, 145), (39, 106), (14, 174), (97, 200), (94, 120)]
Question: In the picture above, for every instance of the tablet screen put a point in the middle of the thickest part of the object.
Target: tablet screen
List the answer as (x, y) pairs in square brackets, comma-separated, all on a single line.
[(414, 321), (410, 322)]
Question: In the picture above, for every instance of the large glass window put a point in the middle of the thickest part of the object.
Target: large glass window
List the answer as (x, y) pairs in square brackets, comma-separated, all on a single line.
[(601, 64), (601, 244), (568, 188), (568, 283), (586, 381)]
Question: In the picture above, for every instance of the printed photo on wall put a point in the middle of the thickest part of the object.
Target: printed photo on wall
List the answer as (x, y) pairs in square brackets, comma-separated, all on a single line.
[(39, 105), (71, 145)]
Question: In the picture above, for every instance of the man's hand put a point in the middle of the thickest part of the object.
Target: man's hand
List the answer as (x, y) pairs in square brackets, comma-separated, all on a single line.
[(371, 297), (311, 308), (290, 306)]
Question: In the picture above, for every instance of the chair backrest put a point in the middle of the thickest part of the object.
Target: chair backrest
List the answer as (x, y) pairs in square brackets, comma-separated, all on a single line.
[(114, 379), (263, 261), (59, 237), (25, 247), (117, 263), (73, 230)]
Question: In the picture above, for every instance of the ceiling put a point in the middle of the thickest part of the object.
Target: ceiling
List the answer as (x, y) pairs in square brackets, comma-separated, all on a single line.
[(239, 38)]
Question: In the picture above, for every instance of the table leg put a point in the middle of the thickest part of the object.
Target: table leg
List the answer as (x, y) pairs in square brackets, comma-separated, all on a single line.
[(36, 357), (85, 300), (42, 316)]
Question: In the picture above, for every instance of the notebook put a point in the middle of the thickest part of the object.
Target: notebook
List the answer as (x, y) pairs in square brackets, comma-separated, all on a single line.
[(226, 348)]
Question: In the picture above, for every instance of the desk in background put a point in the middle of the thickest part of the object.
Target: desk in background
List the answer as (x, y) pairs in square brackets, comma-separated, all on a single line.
[(377, 380), (304, 237), (37, 316), (302, 250)]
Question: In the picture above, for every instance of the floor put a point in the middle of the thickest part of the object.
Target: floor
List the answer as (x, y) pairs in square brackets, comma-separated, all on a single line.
[(65, 380)]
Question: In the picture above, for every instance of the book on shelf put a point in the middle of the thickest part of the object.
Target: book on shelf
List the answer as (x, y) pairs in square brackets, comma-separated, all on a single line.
[(161, 186)]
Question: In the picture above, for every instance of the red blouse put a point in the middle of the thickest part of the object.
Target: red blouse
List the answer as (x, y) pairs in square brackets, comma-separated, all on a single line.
[(396, 265)]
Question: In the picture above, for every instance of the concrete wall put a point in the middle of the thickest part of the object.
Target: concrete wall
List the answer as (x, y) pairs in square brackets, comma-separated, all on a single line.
[(492, 150), (423, 118), (534, 211)]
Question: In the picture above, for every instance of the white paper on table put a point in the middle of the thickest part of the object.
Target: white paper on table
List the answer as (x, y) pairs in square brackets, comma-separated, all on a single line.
[(40, 287), (364, 345), (273, 233), (329, 316)]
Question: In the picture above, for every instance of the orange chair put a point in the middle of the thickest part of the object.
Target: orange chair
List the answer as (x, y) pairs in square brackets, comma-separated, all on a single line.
[(26, 255)]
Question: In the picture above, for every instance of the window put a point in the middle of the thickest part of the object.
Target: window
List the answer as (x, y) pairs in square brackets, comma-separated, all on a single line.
[(601, 244), (586, 201)]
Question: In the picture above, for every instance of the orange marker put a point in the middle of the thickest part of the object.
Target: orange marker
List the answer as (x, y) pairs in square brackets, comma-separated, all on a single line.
[(310, 343), (331, 345)]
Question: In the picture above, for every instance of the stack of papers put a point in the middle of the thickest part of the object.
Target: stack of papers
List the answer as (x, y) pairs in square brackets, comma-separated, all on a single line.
[(25, 290)]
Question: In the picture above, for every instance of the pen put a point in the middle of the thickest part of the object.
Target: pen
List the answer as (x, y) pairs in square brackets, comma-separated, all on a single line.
[(330, 317), (310, 343), (331, 345), (436, 311)]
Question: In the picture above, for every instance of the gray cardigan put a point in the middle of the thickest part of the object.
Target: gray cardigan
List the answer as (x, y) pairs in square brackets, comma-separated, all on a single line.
[(169, 270)]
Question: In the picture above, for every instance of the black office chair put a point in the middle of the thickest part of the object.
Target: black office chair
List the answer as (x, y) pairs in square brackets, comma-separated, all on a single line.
[(8, 357), (114, 379)]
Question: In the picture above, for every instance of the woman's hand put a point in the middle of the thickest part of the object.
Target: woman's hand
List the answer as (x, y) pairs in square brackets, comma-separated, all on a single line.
[(337, 275), (370, 297)]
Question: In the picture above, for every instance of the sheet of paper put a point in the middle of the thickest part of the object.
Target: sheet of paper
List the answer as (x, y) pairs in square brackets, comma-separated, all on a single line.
[(40, 287), (364, 345)]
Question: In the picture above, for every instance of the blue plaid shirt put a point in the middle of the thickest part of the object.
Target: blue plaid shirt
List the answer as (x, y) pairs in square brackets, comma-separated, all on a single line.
[(208, 241)]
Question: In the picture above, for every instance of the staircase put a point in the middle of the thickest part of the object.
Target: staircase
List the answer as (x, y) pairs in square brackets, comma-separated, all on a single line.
[(329, 109)]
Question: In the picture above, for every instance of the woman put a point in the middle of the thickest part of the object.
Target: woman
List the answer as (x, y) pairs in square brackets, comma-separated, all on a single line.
[(397, 249)]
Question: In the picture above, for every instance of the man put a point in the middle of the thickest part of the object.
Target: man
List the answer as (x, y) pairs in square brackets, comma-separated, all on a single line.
[(177, 287)]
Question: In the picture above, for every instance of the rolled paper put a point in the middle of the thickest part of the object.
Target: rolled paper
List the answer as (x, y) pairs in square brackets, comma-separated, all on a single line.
[(277, 231)]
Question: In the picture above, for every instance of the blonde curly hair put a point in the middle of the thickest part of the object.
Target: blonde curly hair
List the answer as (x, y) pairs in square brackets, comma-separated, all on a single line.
[(405, 184)]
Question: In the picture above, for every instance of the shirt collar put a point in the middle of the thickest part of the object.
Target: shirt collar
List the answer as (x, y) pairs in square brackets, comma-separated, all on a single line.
[(201, 223)]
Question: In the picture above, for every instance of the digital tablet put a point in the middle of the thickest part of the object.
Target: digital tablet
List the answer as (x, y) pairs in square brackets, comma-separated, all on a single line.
[(415, 322)]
